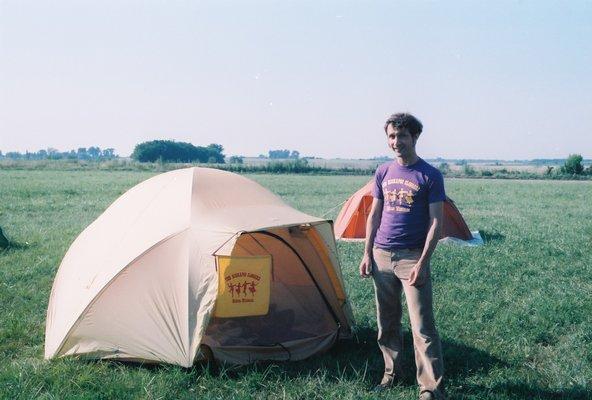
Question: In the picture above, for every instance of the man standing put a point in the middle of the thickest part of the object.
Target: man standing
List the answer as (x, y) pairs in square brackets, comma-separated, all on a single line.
[(402, 232)]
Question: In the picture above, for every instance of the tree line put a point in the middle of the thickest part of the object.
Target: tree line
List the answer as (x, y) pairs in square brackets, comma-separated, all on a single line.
[(82, 153), (572, 167), (151, 151)]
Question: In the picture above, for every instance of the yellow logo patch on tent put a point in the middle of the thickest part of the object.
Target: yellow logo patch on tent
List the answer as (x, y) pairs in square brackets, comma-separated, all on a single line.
[(243, 286)]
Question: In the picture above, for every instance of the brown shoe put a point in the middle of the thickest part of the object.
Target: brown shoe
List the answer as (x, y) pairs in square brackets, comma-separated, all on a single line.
[(427, 395), (386, 383)]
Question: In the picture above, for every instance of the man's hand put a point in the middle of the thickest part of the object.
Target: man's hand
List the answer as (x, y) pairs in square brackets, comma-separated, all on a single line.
[(366, 266), (418, 275)]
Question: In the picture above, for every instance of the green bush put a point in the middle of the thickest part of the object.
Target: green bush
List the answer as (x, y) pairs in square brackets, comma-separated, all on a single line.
[(444, 168), (468, 170), (573, 165)]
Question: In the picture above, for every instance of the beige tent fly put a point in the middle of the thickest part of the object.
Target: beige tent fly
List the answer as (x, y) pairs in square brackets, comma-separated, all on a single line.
[(199, 257)]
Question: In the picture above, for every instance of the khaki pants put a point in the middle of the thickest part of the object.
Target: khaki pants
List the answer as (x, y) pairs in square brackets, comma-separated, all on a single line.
[(391, 271)]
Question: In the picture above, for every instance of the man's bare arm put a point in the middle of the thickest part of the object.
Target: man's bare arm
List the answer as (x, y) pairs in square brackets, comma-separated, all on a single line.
[(372, 224), (419, 273)]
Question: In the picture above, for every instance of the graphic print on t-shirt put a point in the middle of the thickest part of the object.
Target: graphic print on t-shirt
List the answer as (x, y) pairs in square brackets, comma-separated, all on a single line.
[(399, 194)]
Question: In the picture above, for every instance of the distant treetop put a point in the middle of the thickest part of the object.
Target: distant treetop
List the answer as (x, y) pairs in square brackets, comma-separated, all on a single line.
[(171, 151), (283, 154)]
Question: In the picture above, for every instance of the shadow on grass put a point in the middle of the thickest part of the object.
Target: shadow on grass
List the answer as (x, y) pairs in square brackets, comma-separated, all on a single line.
[(14, 246), (492, 237), (521, 391), (360, 360)]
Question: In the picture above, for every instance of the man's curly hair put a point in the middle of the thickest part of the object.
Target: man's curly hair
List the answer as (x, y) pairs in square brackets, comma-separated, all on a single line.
[(405, 120)]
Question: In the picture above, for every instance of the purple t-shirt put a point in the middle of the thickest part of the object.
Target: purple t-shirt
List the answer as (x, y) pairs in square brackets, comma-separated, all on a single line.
[(407, 192)]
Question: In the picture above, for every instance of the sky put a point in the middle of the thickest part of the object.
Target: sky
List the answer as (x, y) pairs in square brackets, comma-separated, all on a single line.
[(488, 79)]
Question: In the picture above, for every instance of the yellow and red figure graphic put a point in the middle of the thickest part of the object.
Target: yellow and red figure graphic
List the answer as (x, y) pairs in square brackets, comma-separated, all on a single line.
[(243, 286), (399, 197)]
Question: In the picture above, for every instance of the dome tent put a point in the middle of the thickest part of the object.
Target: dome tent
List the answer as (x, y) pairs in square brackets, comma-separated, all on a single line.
[(350, 223), (145, 281)]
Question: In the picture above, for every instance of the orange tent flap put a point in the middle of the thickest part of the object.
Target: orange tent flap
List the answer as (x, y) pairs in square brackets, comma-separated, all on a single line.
[(454, 224), (346, 216), (321, 249)]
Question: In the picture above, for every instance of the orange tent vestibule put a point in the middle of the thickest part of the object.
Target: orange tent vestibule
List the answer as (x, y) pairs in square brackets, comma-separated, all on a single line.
[(350, 224)]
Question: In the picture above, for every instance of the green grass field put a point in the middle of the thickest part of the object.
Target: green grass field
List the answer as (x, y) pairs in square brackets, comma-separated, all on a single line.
[(515, 315)]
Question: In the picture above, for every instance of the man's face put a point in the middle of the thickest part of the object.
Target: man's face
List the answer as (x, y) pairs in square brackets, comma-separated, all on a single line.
[(401, 141)]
